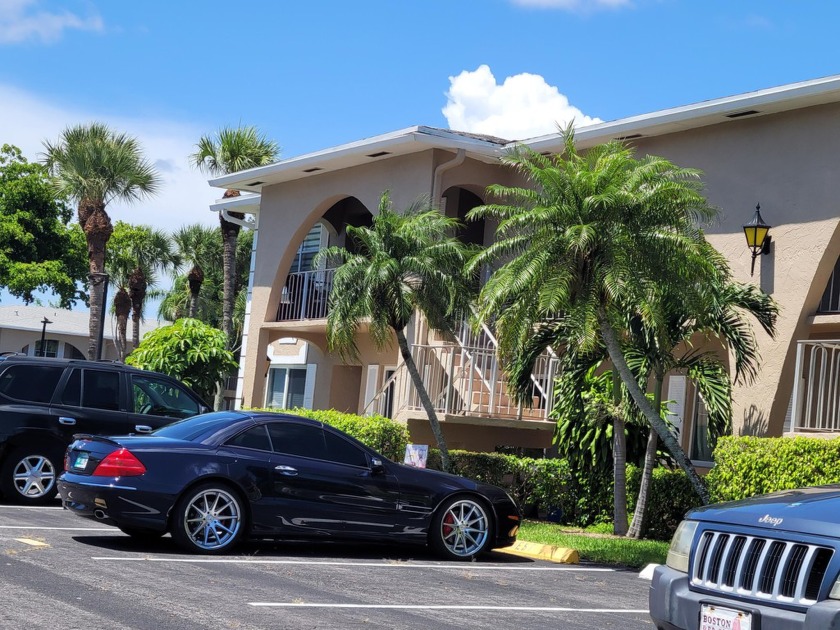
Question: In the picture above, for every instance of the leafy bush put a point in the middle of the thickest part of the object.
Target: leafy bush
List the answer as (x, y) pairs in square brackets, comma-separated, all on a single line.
[(746, 466), (384, 435), (188, 350), (669, 498)]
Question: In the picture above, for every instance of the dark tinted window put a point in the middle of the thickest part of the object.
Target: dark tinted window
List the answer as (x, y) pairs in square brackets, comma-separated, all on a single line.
[(72, 394), (343, 451), (35, 383), (160, 397), (256, 437), (302, 440), (101, 390)]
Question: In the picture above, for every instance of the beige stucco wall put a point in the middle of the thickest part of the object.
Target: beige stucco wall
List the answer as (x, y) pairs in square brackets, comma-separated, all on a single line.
[(786, 162)]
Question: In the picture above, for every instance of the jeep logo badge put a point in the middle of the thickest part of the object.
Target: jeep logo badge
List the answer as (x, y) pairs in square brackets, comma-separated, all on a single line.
[(770, 520)]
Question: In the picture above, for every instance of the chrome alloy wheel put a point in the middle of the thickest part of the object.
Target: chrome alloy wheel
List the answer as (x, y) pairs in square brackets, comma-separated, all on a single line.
[(34, 476), (464, 528), (212, 519)]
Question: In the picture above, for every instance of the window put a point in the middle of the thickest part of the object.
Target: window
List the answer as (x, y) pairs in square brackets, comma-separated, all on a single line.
[(72, 394), (159, 397), (286, 388), (308, 248), (255, 437), (35, 383), (301, 440), (343, 451), (701, 448), (101, 390), (50, 348)]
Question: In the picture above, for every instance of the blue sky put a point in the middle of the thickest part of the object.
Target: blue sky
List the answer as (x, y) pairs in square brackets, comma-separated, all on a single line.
[(320, 73)]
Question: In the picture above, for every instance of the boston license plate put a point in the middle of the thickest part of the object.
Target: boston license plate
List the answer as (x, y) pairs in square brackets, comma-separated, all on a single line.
[(716, 618), (80, 461)]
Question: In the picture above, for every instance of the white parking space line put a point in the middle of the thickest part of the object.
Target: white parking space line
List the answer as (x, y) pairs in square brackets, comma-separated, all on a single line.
[(385, 565), (67, 529), (457, 607), (30, 507)]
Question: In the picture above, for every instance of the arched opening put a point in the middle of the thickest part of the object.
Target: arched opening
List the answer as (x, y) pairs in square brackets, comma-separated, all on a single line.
[(457, 202)]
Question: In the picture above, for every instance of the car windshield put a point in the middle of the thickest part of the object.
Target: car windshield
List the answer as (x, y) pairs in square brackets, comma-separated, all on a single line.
[(196, 427)]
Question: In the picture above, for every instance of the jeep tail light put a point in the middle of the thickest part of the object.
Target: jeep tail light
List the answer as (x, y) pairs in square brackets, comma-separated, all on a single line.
[(121, 463)]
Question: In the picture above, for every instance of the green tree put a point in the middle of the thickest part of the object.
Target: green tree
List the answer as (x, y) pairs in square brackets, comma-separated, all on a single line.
[(229, 151), (136, 255), (199, 247), (40, 250), (724, 318), (401, 264), (188, 350), (594, 241), (93, 165)]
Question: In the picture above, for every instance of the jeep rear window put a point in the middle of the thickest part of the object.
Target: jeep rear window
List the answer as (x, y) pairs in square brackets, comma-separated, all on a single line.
[(34, 383)]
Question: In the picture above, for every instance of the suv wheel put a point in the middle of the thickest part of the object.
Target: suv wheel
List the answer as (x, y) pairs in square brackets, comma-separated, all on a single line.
[(29, 475)]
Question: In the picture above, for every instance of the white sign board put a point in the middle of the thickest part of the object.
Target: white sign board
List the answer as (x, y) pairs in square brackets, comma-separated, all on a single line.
[(416, 455)]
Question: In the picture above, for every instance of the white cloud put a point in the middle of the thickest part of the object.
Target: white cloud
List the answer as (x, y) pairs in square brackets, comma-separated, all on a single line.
[(184, 195), (574, 5), (20, 20), (524, 106)]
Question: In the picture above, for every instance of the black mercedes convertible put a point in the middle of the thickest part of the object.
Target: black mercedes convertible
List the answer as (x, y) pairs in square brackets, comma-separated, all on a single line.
[(217, 478)]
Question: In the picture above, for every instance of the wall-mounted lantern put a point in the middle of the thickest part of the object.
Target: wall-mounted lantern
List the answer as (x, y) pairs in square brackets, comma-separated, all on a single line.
[(758, 236)]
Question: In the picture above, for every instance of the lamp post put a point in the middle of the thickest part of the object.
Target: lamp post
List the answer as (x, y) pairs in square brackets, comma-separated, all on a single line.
[(97, 278), (758, 237), (44, 323)]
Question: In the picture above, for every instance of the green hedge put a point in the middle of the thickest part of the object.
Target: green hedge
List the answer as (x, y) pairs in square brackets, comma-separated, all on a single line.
[(535, 484), (746, 466), (669, 498), (381, 434)]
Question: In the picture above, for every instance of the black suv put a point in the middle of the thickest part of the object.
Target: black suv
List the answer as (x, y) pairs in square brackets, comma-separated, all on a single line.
[(44, 401)]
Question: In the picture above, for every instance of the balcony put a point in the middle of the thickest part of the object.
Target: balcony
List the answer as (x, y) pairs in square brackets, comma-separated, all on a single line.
[(305, 295)]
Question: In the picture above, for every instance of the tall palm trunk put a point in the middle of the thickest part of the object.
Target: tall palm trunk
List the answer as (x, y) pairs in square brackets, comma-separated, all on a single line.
[(637, 527), (137, 286), (195, 279), (654, 419), (122, 307), (619, 463), (230, 232), (417, 381), (98, 229)]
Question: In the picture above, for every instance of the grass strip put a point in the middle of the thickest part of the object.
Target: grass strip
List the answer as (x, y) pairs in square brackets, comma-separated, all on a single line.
[(600, 548)]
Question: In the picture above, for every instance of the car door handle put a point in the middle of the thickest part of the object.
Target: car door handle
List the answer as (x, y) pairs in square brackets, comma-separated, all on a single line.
[(68, 421), (142, 428), (286, 470)]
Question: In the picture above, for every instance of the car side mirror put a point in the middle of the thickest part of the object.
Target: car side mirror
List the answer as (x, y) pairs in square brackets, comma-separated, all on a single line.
[(376, 466)]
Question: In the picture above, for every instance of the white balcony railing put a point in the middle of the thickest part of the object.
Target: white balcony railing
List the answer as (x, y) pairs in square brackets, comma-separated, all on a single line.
[(305, 295), (816, 387)]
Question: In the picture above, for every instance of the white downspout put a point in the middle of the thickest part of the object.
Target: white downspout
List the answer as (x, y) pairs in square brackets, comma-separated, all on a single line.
[(240, 222), (440, 169)]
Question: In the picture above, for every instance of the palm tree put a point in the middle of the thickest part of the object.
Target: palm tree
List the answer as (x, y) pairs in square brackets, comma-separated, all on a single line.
[(196, 244), (597, 238), (232, 150), (403, 263), (94, 165), (727, 306)]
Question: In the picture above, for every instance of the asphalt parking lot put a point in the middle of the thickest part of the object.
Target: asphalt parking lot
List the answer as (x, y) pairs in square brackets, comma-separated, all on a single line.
[(59, 571)]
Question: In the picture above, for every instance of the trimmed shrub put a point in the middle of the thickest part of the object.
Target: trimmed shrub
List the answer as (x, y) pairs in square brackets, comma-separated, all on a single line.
[(746, 466), (669, 498), (384, 435)]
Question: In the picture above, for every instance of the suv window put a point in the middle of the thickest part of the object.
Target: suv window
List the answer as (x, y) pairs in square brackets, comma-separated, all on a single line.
[(159, 397), (35, 383), (101, 390)]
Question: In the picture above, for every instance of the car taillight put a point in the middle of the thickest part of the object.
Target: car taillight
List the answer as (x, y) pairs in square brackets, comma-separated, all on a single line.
[(121, 463)]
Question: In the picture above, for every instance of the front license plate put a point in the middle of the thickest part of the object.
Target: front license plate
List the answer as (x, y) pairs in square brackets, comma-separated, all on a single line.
[(716, 618), (81, 460)]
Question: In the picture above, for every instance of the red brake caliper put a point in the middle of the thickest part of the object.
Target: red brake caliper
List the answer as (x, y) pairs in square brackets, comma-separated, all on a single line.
[(447, 523)]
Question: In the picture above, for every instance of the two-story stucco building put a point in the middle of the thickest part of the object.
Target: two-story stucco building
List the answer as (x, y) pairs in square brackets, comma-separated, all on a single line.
[(778, 146)]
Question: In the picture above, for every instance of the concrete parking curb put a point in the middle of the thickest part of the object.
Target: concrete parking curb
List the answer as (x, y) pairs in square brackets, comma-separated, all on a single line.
[(537, 551)]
